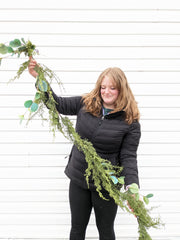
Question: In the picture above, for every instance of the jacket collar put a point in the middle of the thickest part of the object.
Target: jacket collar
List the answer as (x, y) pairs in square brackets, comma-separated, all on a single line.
[(117, 115)]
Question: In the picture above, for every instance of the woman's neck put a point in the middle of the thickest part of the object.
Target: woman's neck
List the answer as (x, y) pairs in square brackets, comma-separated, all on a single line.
[(108, 106)]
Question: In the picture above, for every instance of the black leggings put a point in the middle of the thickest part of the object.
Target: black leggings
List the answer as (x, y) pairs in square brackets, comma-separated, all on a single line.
[(81, 203)]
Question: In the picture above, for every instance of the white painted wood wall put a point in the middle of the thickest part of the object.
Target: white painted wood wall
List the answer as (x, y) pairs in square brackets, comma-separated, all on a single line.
[(79, 39)]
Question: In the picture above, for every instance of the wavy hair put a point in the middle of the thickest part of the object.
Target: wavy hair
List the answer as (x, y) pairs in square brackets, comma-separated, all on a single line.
[(125, 101)]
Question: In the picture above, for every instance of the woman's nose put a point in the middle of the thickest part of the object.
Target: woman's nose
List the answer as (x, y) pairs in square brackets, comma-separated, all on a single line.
[(107, 90)]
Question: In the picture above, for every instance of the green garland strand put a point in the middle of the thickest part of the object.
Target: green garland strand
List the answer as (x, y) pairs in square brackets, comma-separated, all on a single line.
[(104, 174)]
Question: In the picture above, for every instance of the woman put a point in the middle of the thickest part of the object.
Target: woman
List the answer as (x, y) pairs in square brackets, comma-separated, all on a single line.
[(108, 116)]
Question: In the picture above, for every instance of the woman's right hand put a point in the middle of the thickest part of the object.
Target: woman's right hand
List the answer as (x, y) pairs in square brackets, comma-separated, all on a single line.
[(31, 67)]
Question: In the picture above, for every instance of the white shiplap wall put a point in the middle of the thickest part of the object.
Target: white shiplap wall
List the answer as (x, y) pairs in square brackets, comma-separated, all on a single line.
[(78, 40)]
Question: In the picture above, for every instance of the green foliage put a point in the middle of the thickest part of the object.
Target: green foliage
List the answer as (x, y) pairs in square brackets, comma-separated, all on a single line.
[(17, 47), (15, 43), (34, 107), (22, 68), (150, 195), (146, 200), (21, 117), (42, 86), (114, 179), (121, 180), (137, 196), (3, 48), (37, 96), (133, 188), (104, 174), (22, 39), (28, 103), (10, 50)]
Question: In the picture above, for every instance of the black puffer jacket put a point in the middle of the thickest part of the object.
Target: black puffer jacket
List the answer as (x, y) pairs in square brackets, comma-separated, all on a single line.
[(111, 136)]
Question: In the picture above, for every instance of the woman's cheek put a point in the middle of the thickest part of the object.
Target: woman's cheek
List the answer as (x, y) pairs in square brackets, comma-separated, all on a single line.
[(102, 92)]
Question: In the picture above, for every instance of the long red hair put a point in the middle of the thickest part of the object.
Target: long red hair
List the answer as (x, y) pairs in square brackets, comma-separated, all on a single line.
[(125, 101)]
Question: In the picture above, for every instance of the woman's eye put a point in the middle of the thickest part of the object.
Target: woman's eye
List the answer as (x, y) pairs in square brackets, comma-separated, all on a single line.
[(111, 88)]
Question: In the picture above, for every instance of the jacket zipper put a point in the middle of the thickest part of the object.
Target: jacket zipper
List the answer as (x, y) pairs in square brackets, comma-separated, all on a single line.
[(101, 120)]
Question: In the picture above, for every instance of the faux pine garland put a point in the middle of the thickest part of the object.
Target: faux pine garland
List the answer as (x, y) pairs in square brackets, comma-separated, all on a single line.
[(104, 174)]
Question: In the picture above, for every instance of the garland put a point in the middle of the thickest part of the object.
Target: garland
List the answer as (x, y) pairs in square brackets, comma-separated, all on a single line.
[(104, 174)]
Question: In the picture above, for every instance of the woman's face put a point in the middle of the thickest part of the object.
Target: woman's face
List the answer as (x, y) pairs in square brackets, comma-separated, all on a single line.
[(109, 92)]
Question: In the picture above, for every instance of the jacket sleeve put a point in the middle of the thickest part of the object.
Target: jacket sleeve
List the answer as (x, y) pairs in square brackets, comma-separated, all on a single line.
[(68, 105), (128, 154), (64, 105)]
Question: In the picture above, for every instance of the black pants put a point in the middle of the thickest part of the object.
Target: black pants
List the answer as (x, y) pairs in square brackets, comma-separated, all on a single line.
[(81, 203)]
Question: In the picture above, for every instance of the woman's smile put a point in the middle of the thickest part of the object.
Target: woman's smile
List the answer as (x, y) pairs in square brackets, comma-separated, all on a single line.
[(109, 93)]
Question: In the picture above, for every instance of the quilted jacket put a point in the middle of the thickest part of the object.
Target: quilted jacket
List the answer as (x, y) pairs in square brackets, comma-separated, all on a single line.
[(110, 135)]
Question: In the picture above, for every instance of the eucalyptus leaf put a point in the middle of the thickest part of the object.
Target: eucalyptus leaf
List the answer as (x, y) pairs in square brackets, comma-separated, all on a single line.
[(28, 103), (3, 48), (42, 86), (133, 191), (137, 196), (146, 200), (114, 179), (22, 39), (37, 96), (34, 107), (15, 43), (133, 188), (10, 50), (121, 180), (149, 195)]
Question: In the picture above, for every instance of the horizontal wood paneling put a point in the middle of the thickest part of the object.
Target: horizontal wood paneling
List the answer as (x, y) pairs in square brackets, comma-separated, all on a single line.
[(58, 173), (45, 137), (143, 101), (160, 42), (55, 231), (55, 160), (62, 208), (52, 196), (148, 113), (36, 125), (82, 88), (92, 28), (79, 4), (73, 15), (144, 77), (91, 65), (62, 184), (78, 40)]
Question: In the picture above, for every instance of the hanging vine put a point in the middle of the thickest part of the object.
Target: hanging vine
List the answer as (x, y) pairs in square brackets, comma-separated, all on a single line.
[(104, 174)]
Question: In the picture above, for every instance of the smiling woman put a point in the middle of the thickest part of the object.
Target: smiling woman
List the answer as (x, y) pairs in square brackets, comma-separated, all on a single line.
[(112, 138), (103, 157), (78, 40), (112, 91), (109, 92), (101, 134)]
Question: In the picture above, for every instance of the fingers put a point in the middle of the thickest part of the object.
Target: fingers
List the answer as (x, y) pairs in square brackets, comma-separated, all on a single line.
[(32, 65), (131, 208), (32, 62)]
